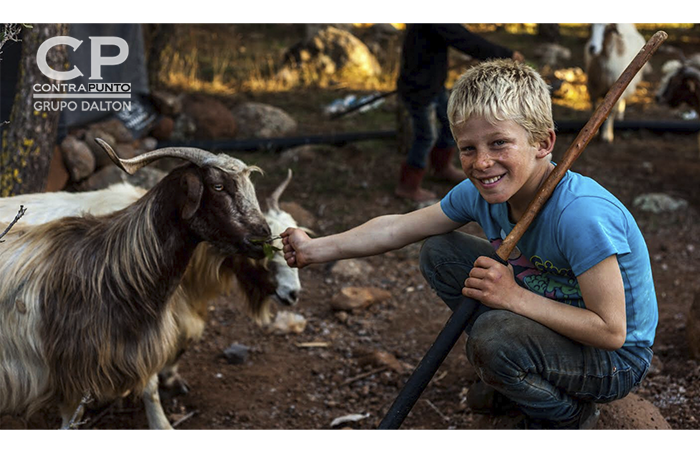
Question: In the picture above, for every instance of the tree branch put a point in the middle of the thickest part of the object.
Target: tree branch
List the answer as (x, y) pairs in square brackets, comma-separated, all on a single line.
[(9, 32), (19, 215)]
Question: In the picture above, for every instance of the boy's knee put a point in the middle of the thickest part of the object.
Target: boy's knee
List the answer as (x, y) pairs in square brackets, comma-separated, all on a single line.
[(493, 340)]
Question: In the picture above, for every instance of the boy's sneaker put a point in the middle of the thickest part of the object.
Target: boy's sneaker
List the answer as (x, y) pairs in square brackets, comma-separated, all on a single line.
[(586, 420), (483, 399), (589, 416)]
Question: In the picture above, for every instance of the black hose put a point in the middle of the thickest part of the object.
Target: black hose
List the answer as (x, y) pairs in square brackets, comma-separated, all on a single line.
[(279, 144)]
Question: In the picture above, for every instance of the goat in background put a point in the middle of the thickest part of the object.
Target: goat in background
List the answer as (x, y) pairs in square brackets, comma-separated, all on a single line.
[(681, 84), (609, 50)]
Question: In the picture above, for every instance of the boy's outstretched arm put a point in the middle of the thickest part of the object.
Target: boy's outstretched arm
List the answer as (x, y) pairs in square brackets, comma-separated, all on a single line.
[(378, 235), (602, 324)]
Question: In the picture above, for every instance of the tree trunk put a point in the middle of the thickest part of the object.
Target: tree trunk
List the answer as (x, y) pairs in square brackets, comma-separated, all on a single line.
[(159, 37), (29, 140)]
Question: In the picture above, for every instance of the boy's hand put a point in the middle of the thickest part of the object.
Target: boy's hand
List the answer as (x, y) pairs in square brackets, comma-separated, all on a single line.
[(293, 240), (492, 284)]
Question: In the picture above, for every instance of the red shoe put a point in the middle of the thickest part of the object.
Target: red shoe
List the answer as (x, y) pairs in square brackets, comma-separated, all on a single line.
[(409, 184), (442, 168)]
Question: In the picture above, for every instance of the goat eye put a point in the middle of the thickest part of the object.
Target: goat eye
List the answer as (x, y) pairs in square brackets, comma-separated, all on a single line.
[(218, 187)]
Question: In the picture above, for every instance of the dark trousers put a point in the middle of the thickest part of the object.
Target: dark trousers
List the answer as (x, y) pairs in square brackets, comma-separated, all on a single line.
[(547, 374), (425, 135)]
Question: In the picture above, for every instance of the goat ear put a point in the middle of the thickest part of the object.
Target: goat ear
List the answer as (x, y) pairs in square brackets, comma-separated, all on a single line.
[(194, 189)]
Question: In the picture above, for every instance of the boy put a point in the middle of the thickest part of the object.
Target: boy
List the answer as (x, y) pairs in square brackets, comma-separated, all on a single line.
[(571, 319), (421, 86)]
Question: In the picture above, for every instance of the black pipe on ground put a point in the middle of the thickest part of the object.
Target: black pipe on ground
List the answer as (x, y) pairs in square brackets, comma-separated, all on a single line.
[(280, 144)]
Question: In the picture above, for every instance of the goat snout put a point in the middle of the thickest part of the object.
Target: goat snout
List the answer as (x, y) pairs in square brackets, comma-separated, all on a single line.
[(288, 298), (253, 246)]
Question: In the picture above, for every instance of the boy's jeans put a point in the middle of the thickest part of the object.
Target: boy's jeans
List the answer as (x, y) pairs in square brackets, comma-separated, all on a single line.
[(546, 374), (424, 134)]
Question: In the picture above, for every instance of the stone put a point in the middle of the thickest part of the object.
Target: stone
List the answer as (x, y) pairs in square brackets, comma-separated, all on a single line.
[(146, 177), (78, 158), (377, 359), (353, 297), (658, 203), (693, 328), (236, 354), (167, 103), (257, 120), (148, 144), (125, 150), (305, 154), (163, 128), (329, 52), (58, 174), (184, 128), (352, 268), (116, 129), (102, 178), (631, 412), (211, 118), (551, 54), (287, 322)]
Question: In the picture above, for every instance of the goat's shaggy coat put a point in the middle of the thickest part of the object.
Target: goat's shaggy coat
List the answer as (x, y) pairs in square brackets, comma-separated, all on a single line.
[(84, 300), (208, 275)]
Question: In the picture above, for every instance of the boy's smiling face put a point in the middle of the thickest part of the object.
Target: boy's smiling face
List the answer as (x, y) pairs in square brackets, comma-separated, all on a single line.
[(501, 162)]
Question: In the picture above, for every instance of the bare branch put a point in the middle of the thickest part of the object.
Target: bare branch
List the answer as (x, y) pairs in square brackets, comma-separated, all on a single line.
[(10, 32), (75, 422), (19, 215)]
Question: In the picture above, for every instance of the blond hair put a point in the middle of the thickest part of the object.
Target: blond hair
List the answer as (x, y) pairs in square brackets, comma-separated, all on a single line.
[(501, 90)]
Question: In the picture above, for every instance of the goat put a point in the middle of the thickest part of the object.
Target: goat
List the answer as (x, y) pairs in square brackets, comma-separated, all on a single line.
[(84, 301), (208, 274), (609, 50), (681, 84)]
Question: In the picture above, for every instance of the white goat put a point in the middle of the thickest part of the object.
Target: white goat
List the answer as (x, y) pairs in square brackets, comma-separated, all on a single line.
[(208, 275), (85, 301), (609, 50)]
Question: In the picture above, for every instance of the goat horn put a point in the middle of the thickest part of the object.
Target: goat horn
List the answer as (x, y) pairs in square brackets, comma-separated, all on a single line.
[(274, 198), (194, 155)]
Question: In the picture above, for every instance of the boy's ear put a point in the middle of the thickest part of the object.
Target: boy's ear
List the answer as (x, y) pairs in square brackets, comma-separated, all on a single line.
[(546, 146)]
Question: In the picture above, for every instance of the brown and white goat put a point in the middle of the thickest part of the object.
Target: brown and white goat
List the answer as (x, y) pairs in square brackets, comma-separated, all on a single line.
[(610, 48), (84, 301), (681, 84), (208, 275)]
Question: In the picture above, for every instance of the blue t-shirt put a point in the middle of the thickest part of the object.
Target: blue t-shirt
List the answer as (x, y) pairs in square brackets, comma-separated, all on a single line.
[(579, 226)]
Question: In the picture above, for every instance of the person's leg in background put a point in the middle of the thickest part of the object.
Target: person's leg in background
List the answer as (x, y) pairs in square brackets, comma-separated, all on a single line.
[(442, 153), (413, 168)]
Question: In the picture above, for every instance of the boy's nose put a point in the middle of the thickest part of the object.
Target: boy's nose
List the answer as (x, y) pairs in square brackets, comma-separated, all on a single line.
[(483, 161)]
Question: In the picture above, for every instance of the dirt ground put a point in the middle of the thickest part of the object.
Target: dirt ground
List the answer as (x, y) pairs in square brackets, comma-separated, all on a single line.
[(284, 384)]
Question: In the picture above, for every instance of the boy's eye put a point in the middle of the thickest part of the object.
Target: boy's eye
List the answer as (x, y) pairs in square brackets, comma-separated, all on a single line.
[(499, 142)]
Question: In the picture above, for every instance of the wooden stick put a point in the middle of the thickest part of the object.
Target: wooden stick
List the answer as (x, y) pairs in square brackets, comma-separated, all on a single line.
[(454, 327), (364, 375), (19, 215), (579, 144)]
